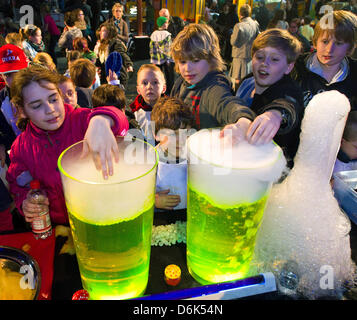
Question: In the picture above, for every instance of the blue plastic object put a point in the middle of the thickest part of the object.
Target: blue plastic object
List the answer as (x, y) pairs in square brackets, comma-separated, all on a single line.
[(114, 62), (259, 284)]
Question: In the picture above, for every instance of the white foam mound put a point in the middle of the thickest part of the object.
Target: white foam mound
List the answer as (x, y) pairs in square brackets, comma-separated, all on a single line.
[(230, 174), (303, 222), (122, 196)]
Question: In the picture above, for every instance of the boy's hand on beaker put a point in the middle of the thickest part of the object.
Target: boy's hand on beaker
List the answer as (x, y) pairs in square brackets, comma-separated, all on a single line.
[(166, 201), (100, 141), (236, 131), (264, 127), (32, 210)]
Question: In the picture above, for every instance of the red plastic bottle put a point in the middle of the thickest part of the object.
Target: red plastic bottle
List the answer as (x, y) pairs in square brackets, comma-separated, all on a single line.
[(41, 225)]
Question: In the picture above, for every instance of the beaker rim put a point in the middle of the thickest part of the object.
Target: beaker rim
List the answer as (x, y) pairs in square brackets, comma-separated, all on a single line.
[(65, 173), (247, 169)]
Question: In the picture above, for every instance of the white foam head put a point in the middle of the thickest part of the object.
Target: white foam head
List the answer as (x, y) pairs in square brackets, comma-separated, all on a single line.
[(235, 173)]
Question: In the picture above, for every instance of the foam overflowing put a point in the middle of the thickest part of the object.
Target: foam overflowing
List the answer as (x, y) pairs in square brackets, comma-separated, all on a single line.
[(303, 225), (230, 174), (126, 194)]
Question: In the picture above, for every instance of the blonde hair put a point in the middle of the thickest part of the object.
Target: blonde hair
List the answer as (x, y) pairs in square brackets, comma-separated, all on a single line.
[(28, 31), (44, 59), (279, 39), (153, 68), (344, 27), (117, 5), (14, 38), (197, 41)]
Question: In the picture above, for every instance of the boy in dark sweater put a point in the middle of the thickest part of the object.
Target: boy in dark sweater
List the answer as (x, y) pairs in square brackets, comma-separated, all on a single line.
[(271, 93), (330, 67)]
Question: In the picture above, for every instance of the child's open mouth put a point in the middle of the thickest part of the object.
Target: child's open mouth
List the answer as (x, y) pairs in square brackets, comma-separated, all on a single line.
[(263, 74)]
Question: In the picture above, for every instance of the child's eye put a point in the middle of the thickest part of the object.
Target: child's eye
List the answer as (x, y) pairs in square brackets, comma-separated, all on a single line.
[(35, 106), (196, 60)]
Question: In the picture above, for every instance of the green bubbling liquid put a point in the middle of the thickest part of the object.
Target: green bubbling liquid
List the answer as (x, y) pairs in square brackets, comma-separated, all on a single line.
[(114, 259), (220, 241)]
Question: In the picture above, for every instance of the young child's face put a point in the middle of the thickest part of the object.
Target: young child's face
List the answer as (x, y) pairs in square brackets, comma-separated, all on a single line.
[(193, 71), (150, 85), (350, 148), (174, 142), (69, 93), (269, 66), (43, 105), (329, 50)]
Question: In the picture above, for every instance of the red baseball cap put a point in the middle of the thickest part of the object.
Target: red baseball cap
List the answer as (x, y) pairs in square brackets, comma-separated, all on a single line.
[(12, 59)]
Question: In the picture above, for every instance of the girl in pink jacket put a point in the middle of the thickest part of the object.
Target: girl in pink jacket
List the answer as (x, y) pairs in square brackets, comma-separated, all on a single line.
[(50, 126)]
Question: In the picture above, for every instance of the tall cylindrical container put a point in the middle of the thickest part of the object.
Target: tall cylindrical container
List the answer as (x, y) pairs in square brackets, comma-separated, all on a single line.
[(111, 220), (228, 186)]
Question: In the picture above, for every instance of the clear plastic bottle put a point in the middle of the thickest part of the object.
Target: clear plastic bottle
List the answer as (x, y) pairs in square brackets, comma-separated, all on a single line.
[(41, 225)]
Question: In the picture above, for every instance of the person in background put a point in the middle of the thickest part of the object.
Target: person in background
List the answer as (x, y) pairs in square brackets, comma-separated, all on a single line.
[(44, 59), (306, 30), (81, 45), (108, 42), (112, 95), (150, 18), (262, 15), (271, 93), (49, 127), (51, 28), (150, 86), (83, 72), (14, 38), (119, 23), (12, 60), (330, 67), (173, 123), (160, 46), (294, 30), (278, 20), (70, 32), (81, 24), (32, 43), (68, 91), (242, 39), (176, 24)]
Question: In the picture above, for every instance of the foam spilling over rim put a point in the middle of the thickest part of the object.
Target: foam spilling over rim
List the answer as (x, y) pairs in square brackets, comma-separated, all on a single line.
[(207, 146)]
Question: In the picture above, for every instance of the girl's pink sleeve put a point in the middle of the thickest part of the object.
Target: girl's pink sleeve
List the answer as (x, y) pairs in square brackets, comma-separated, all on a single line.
[(121, 124), (16, 173)]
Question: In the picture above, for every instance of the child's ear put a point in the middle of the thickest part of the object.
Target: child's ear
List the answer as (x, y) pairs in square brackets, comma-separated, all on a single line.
[(290, 67), (164, 89)]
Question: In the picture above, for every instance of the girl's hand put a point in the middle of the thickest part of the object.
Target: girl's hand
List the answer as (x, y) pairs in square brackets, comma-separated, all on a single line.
[(166, 201), (264, 127), (100, 141), (32, 210), (237, 131)]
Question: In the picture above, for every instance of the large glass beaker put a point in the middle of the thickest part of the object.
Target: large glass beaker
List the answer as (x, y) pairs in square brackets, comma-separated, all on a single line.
[(111, 220), (228, 186)]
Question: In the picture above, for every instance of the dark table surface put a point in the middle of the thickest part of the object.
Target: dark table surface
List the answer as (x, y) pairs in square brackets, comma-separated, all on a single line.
[(66, 279)]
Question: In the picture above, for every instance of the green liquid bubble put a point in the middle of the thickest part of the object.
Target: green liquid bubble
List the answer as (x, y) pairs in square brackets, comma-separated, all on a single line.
[(114, 259), (220, 241)]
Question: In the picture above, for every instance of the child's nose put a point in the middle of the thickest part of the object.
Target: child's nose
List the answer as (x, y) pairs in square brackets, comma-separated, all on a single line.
[(49, 108)]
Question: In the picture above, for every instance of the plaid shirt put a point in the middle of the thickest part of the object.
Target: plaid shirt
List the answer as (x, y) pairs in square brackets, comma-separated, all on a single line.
[(160, 44)]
